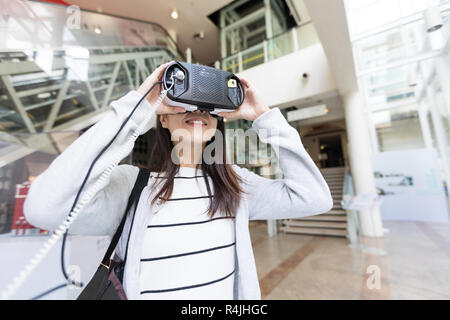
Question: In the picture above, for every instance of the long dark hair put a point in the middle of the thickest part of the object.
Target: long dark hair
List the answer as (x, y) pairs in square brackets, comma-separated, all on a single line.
[(226, 183)]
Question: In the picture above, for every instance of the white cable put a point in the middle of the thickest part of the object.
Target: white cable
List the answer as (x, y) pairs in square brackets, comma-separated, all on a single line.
[(87, 196)]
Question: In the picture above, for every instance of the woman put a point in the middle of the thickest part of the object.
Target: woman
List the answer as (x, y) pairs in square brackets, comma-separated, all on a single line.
[(190, 237)]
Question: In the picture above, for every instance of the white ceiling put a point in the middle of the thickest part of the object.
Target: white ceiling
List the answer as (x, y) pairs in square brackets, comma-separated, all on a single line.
[(192, 18)]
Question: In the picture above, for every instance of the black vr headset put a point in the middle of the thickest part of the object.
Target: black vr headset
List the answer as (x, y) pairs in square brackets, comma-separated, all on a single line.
[(198, 87)]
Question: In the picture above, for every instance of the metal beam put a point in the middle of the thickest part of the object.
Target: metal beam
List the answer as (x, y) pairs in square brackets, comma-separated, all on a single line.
[(20, 67), (17, 103), (111, 85), (136, 75), (30, 92), (127, 71), (280, 14), (235, 5), (91, 95), (57, 105), (82, 122), (400, 63), (111, 58), (247, 19)]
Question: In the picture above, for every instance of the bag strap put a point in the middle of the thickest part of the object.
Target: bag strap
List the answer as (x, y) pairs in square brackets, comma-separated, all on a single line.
[(141, 182)]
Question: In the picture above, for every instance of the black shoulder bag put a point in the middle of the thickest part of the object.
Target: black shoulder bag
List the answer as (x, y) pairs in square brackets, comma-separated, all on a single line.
[(106, 284)]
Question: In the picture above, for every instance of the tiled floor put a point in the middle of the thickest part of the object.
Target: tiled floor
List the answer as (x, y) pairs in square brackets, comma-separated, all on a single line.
[(412, 261)]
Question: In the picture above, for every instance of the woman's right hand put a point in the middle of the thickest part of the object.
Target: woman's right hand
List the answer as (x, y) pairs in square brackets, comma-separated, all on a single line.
[(155, 93)]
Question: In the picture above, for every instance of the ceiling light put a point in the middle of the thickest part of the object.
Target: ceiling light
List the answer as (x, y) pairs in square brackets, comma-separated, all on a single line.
[(98, 30), (433, 19), (174, 14)]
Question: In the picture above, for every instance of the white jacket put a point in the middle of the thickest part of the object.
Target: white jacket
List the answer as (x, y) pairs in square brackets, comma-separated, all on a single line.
[(302, 192)]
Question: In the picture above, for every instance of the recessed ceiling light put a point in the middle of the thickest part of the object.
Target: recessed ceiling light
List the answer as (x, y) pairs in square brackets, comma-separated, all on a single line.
[(174, 13), (98, 30)]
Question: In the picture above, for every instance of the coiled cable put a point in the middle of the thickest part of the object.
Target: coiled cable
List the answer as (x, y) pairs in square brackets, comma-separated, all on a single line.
[(77, 207)]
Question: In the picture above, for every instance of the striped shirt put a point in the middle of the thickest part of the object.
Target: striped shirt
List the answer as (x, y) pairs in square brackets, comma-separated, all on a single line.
[(186, 254)]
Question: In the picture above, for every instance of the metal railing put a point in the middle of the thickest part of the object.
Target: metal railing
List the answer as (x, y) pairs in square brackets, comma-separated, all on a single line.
[(73, 89), (295, 39)]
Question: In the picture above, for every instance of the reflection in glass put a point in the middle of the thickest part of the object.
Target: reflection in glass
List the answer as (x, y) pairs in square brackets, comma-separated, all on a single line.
[(59, 76)]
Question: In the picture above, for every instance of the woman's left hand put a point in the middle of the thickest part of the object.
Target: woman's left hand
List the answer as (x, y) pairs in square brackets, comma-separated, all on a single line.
[(251, 108)]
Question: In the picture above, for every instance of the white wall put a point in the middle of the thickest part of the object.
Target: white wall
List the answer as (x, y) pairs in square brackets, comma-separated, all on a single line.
[(403, 135), (280, 81)]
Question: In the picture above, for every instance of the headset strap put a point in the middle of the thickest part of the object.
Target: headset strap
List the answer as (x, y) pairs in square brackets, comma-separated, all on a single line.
[(141, 182)]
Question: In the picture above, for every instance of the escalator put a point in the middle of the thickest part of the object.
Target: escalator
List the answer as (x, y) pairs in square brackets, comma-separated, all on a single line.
[(59, 71)]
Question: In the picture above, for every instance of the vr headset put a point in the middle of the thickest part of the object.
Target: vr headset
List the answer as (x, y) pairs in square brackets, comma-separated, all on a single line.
[(198, 87)]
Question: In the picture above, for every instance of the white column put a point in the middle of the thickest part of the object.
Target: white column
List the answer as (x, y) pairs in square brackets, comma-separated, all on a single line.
[(360, 157), (240, 66), (443, 71), (424, 126), (439, 130)]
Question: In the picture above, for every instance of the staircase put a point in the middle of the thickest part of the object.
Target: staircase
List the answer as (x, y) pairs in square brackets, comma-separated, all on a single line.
[(332, 223)]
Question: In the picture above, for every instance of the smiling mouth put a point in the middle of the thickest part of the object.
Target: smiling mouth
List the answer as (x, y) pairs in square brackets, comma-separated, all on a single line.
[(196, 122)]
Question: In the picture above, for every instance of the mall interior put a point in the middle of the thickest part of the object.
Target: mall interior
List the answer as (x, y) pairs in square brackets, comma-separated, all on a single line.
[(366, 83)]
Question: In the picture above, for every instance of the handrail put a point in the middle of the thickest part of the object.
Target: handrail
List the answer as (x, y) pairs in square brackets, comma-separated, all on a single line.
[(72, 98), (266, 45)]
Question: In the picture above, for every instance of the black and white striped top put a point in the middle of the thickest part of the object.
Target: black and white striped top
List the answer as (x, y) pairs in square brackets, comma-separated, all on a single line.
[(186, 254)]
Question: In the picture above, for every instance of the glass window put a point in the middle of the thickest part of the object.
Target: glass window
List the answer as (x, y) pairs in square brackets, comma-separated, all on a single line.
[(398, 129), (307, 36)]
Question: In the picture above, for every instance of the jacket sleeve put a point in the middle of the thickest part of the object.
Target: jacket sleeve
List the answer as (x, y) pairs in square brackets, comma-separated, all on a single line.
[(53, 192), (302, 192)]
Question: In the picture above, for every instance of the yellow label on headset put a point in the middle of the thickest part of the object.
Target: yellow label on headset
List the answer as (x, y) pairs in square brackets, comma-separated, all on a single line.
[(232, 83)]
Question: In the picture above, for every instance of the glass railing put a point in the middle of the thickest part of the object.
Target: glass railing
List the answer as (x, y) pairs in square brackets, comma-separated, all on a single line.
[(58, 71), (37, 25), (288, 42)]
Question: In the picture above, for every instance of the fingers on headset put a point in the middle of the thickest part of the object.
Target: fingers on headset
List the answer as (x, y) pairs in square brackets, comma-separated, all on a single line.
[(164, 65), (228, 115), (158, 73), (245, 82), (173, 110)]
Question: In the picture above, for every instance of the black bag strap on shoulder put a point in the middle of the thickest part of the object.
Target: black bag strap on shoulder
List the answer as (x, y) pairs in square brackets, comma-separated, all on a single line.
[(141, 182)]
